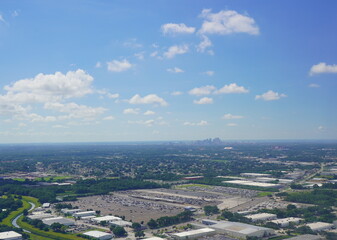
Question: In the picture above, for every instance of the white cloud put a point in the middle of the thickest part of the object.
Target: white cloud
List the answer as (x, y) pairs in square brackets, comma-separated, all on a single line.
[(314, 85), (227, 22), (49, 87), (148, 99), (229, 116), (209, 73), (175, 70), (15, 13), (153, 54), (131, 111), (270, 96), (119, 66), (59, 126), (2, 19), (232, 124), (149, 112), (98, 65), (231, 88), (108, 118), (132, 43), (173, 28), (148, 123), (323, 68), (204, 44), (175, 50), (201, 123), (113, 96), (205, 90), (321, 128), (176, 93), (139, 55), (204, 100)]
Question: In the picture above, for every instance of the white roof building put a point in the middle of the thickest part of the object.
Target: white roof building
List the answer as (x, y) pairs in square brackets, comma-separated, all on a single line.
[(284, 222), (194, 233), (261, 217), (306, 237), (41, 216), (320, 226), (255, 184), (10, 235), (70, 211), (255, 175), (84, 214), (61, 220), (121, 223), (155, 238), (98, 235), (46, 205), (106, 219)]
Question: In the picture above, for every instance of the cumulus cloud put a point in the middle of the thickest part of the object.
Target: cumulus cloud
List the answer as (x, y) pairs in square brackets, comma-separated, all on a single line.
[(270, 96), (232, 124), (149, 112), (205, 90), (132, 43), (150, 122), (231, 88), (174, 28), (204, 100), (176, 50), (131, 111), (323, 68), (204, 44), (229, 116), (227, 22), (175, 70), (201, 123), (119, 66), (176, 93), (109, 118), (148, 99), (139, 55), (209, 73), (98, 65)]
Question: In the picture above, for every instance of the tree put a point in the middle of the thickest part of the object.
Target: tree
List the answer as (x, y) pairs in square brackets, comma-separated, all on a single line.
[(210, 210), (119, 232), (136, 226), (139, 234), (152, 224)]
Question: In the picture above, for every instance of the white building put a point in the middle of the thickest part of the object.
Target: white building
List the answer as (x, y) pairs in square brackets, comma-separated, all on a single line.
[(284, 222), (98, 235), (306, 237), (320, 226), (254, 184), (121, 223), (61, 220), (41, 216), (10, 235), (70, 211), (84, 214), (261, 217), (46, 205), (105, 219), (155, 238), (236, 229), (194, 233), (254, 175)]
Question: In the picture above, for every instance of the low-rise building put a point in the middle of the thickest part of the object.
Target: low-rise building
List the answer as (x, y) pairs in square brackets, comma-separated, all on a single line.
[(10, 235), (261, 217), (306, 237), (61, 220), (98, 235), (84, 214), (284, 222), (254, 184), (40, 216), (254, 175), (320, 226), (107, 219), (70, 211), (121, 223), (194, 233), (155, 238), (46, 205)]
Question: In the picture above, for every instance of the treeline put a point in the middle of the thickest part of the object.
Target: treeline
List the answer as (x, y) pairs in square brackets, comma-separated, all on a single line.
[(168, 221), (7, 205), (321, 197), (81, 188)]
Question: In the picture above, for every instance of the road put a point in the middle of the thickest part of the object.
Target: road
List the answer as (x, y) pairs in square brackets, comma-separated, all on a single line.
[(14, 222)]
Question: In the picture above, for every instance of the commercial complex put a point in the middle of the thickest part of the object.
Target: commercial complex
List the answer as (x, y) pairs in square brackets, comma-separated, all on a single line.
[(261, 217), (98, 235), (194, 233), (10, 235)]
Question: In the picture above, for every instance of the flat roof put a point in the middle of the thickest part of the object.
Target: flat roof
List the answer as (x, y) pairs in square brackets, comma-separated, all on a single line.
[(286, 220), (97, 234), (194, 232), (251, 183), (155, 238), (9, 234), (106, 218), (306, 237), (260, 215), (60, 220), (317, 225)]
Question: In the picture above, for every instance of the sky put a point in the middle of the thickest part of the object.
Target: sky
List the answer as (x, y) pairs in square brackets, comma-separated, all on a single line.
[(157, 70)]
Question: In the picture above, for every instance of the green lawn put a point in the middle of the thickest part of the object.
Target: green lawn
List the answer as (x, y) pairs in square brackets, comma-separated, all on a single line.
[(193, 185), (263, 194), (8, 220)]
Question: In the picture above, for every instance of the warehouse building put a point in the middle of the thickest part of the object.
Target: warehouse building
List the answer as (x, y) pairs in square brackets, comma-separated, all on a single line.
[(107, 219), (10, 235), (202, 232), (306, 237), (284, 222), (84, 214), (98, 235), (320, 226), (261, 217), (254, 175), (236, 229), (61, 220), (41, 216), (70, 211), (155, 238), (255, 184), (121, 223)]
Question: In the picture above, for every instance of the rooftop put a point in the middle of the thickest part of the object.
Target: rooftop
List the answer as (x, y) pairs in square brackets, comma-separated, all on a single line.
[(97, 234), (194, 232), (9, 234)]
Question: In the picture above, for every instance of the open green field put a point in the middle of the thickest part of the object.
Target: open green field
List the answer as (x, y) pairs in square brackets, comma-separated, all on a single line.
[(192, 185)]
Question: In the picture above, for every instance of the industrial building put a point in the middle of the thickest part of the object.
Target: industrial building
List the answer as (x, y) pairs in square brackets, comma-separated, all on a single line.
[(121, 223), (61, 220), (84, 214), (284, 222), (320, 226), (10, 235), (194, 233), (98, 235), (254, 175), (235, 229), (70, 211), (108, 219), (46, 205), (255, 184), (306, 237), (155, 238), (41, 216), (261, 217)]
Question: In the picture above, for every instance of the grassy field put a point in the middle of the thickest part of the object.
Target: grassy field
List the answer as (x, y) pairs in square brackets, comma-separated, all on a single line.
[(8, 220), (192, 185), (263, 194)]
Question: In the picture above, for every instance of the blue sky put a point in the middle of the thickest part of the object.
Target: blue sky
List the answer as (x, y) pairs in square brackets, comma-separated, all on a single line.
[(79, 71)]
